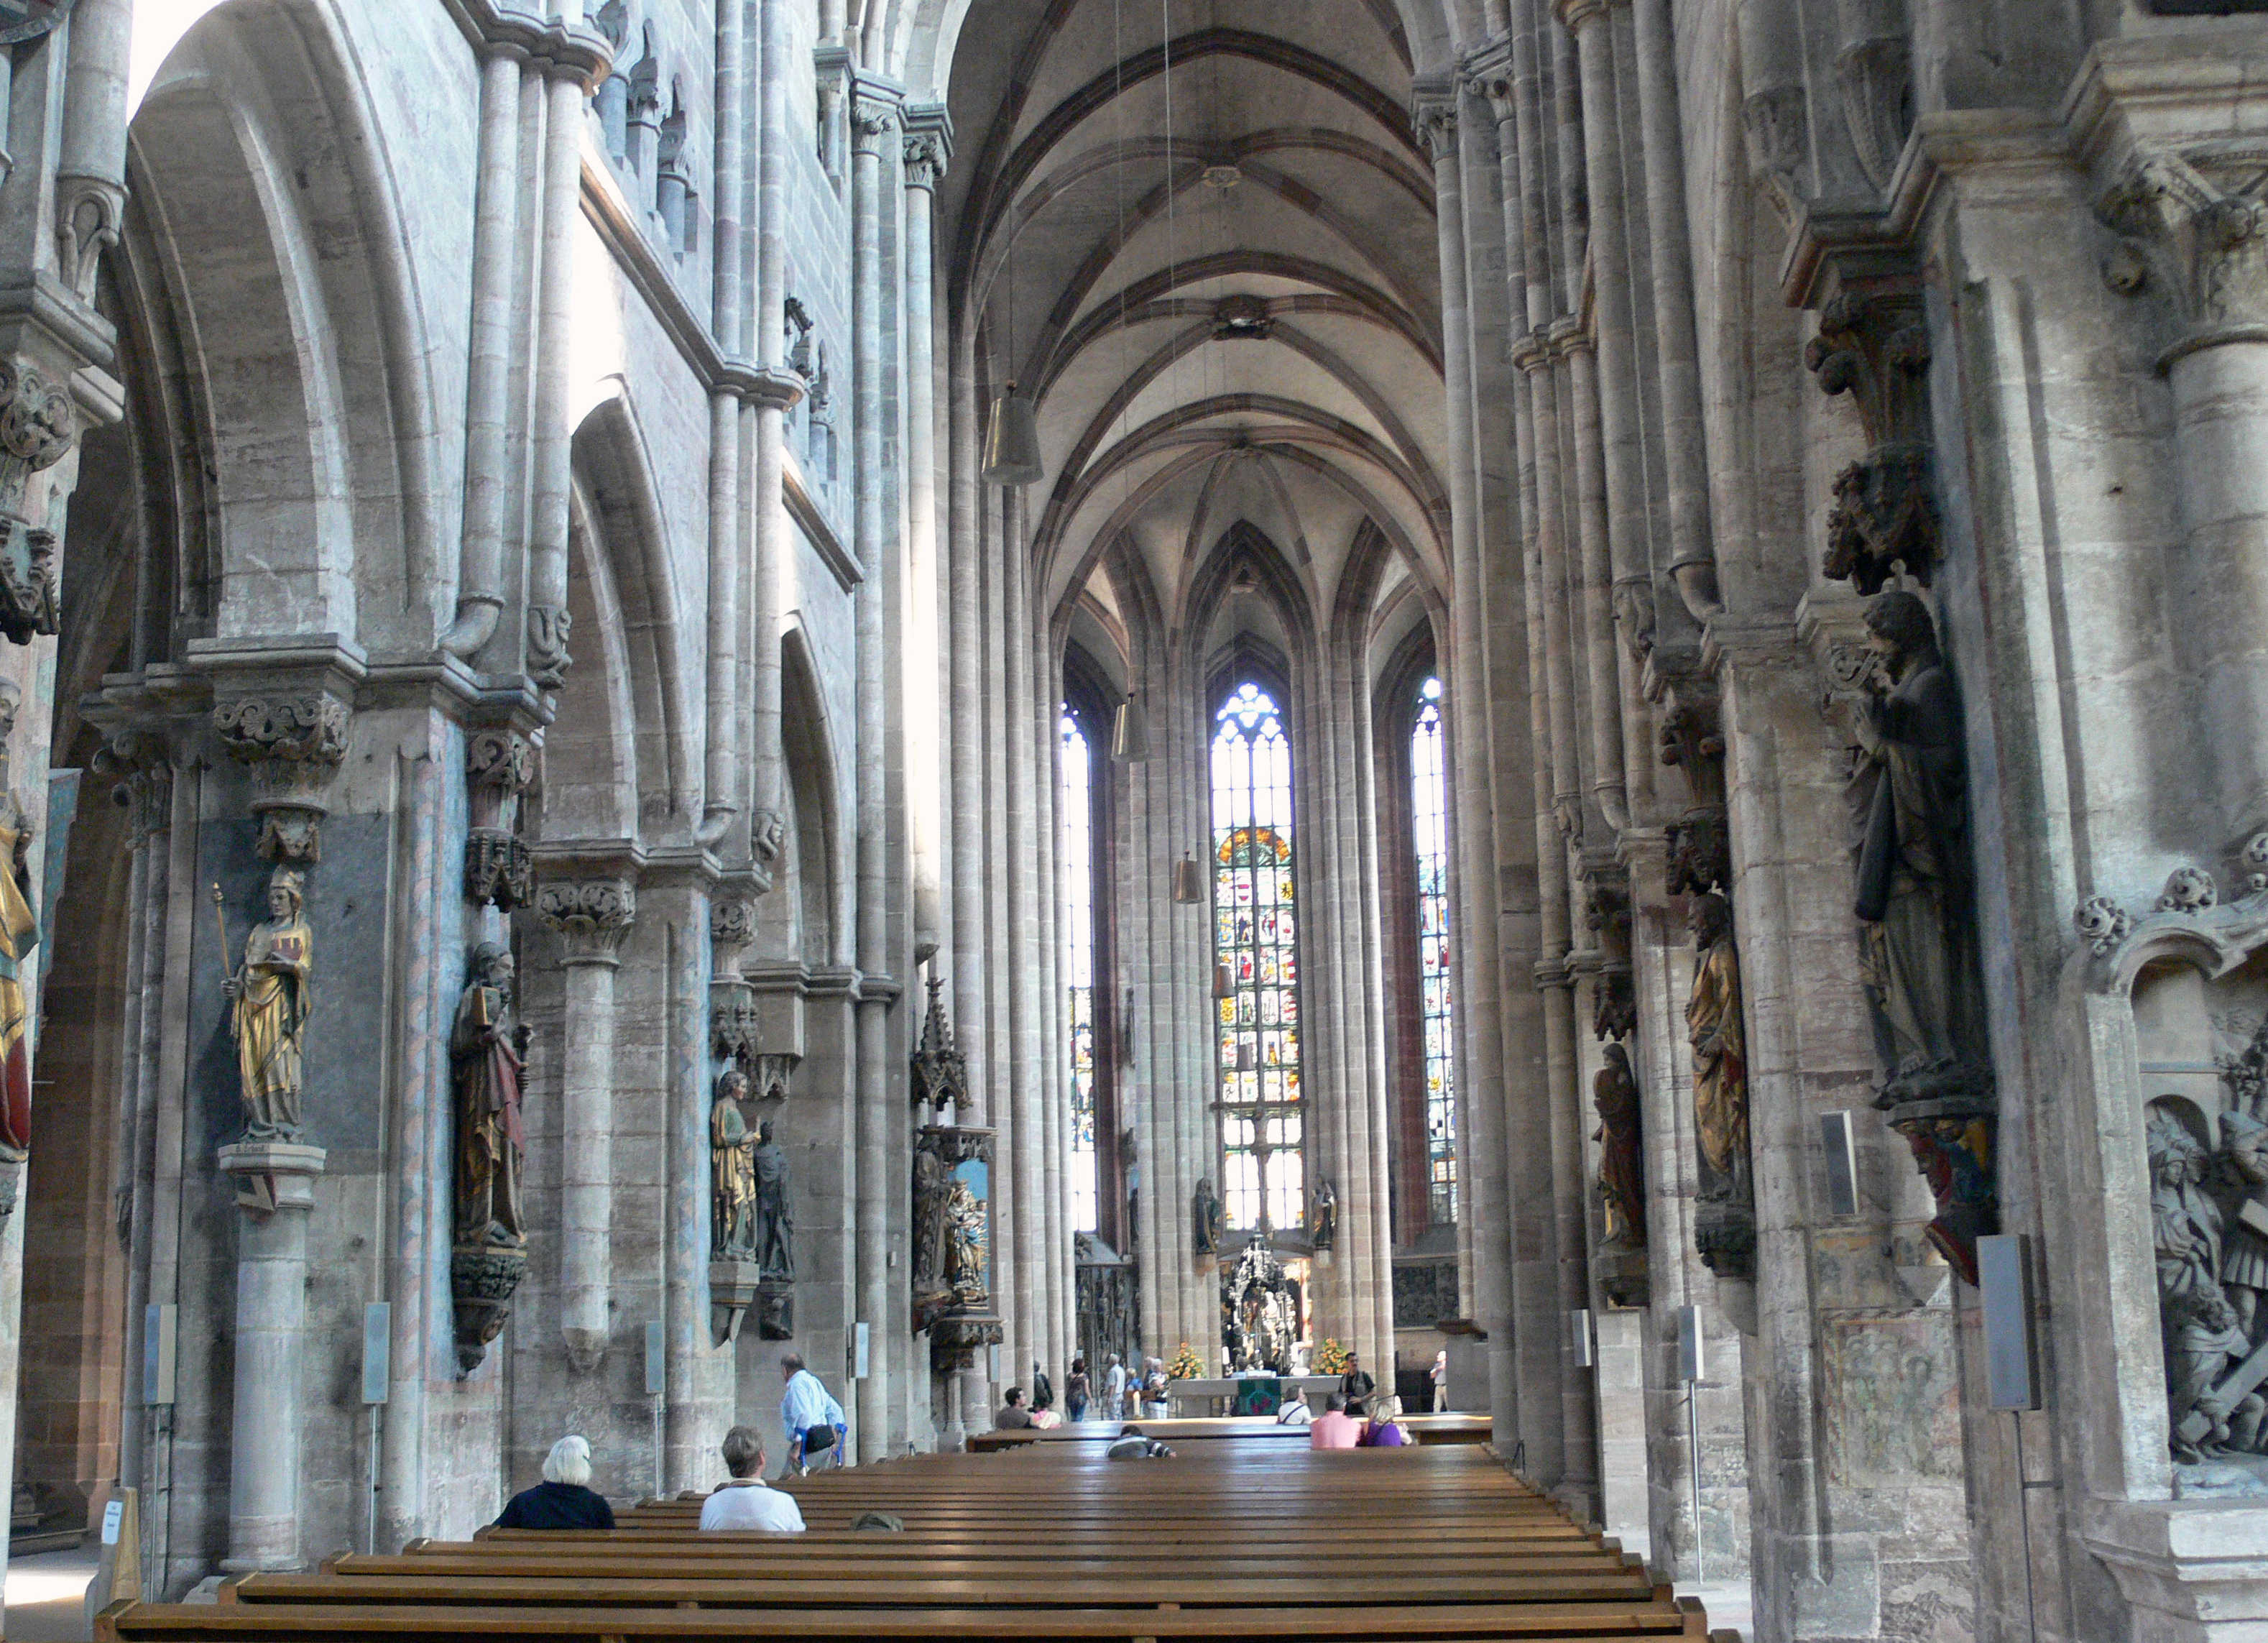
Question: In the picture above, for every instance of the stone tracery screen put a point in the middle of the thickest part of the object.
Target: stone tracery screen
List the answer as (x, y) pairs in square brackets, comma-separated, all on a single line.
[(1429, 810), (1078, 813), (1255, 950)]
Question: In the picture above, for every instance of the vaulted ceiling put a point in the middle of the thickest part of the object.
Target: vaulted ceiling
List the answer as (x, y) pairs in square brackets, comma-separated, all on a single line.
[(1200, 235)]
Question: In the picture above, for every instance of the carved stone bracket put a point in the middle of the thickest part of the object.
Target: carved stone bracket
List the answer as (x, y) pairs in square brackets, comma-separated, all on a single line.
[(500, 870), (140, 768), (481, 1283), (1700, 855), (733, 1287), (1875, 346), (593, 916), (293, 744)]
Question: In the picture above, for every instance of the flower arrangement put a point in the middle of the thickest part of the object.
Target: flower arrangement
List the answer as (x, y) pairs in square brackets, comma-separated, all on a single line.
[(1331, 1357), (1186, 1364)]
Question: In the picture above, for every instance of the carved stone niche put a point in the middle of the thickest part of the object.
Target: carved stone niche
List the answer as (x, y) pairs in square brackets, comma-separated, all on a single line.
[(1873, 343), (951, 1277)]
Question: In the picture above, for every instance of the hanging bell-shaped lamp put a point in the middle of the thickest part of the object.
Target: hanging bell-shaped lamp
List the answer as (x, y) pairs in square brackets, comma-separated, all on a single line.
[(1011, 442), (1130, 732), (1189, 881)]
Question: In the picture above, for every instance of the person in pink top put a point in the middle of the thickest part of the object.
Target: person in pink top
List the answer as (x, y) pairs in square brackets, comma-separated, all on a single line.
[(1335, 1428)]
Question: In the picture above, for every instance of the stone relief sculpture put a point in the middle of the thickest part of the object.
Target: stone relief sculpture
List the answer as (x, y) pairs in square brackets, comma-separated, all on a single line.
[(953, 1239), (1622, 1174), (487, 1048), (2209, 1232), (1725, 1227), (268, 1009), (732, 1171)]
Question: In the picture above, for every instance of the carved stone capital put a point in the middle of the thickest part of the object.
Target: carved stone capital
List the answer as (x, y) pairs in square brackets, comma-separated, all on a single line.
[(140, 767), (502, 761), (2195, 229), (1433, 117), (591, 915), (925, 156), (875, 115), (293, 743)]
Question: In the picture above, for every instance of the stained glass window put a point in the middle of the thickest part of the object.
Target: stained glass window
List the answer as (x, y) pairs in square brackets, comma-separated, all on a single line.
[(1255, 950), (1429, 804), (1078, 811)]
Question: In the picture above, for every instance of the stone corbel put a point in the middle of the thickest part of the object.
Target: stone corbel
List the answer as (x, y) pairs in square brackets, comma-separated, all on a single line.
[(37, 427), (139, 766), (499, 766), (293, 742), (1873, 343), (1700, 856)]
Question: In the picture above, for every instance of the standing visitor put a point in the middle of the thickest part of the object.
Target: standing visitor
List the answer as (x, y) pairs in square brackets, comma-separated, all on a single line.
[(1113, 1390), (1355, 1386), (1153, 1390), (813, 1418), (565, 1499), (747, 1501), (1438, 1374), (1078, 1386)]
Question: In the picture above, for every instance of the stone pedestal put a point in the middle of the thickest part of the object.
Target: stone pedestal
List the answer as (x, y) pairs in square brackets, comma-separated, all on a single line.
[(276, 1188), (733, 1287)]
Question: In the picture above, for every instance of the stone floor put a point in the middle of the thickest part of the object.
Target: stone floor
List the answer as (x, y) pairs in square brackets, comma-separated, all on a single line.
[(47, 1596)]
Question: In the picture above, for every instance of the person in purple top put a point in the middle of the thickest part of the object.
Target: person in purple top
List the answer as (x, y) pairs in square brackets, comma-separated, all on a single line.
[(1385, 1430)]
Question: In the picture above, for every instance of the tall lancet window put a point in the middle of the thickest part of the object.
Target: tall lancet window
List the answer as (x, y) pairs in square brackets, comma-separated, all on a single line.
[(1078, 962), (1429, 810), (1255, 951)]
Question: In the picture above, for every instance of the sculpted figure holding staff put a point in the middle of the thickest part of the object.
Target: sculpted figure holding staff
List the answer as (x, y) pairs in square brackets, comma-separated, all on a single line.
[(268, 1006)]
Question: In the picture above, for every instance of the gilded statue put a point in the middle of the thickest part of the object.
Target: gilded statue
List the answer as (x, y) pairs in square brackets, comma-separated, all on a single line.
[(487, 1047), (732, 1171), (772, 1223), (1622, 1174), (1916, 898), (964, 1241), (19, 933), (267, 1008), (1720, 1055)]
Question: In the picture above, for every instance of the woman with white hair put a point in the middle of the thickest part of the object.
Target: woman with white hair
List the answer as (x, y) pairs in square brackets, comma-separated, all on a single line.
[(1385, 1430), (565, 1499)]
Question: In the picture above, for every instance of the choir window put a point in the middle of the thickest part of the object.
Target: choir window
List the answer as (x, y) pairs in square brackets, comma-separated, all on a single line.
[(1078, 764), (1429, 808), (1255, 955)]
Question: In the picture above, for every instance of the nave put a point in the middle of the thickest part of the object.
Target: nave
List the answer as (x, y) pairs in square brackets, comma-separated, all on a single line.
[(1241, 1535)]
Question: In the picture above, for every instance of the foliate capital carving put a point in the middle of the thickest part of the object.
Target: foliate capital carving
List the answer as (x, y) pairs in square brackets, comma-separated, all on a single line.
[(924, 158), (2195, 227), (874, 120), (503, 760), (1434, 116), (733, 922), (590, 915), (293, 744)]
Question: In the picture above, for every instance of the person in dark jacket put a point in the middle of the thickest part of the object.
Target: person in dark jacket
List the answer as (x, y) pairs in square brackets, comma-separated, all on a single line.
[(565, 1499), (1355, 1386)]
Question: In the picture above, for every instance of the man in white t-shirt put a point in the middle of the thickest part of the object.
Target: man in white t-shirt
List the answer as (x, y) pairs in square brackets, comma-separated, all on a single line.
[(1113, 1390), (747, 1501)]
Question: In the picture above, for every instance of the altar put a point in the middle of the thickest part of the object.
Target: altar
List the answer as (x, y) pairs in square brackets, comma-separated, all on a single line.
[(1194, 1398)]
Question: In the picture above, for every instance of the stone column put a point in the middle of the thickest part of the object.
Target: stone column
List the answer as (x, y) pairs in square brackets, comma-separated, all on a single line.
[(1027, 1296), (927, 145), (874, 122), (275, 1189), (591, 917)]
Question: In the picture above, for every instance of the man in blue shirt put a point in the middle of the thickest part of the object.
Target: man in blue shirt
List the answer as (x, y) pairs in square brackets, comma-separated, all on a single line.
[(813, 1418)]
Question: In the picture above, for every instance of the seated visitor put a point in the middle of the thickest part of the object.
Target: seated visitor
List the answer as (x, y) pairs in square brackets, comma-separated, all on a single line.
[(1295, 1413), (1386, 1430), (1134, 1445), (565, 1499), (747, 1502), (1335, 1428), (1014, 1417), (1045, 1414)]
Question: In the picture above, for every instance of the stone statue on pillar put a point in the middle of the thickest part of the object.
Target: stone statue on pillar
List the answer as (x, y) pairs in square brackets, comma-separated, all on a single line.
[(773, 1220), (1622, 1172), (1725, 1218), (487, 1046), (19, 933), (1209, 1228), (267, 1010), (732, 1171)]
